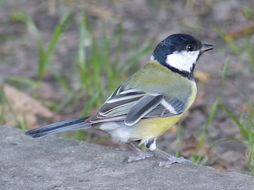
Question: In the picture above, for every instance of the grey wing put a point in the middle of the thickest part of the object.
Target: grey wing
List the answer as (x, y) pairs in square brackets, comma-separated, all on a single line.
[(117, 106), (144, 106), (168, 107), (131, 105)]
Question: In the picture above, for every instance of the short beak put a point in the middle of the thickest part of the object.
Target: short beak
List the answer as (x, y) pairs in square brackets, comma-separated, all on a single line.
[(206, 47)]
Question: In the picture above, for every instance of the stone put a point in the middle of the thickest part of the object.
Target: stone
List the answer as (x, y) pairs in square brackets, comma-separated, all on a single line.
[(55, 163)]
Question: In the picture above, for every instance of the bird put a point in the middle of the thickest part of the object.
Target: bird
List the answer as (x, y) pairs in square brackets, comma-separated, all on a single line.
[(149, 102)]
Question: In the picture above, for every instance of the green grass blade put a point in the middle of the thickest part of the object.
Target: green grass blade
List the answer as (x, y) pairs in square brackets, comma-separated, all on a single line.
[(19, 80), (225, 70), (41, 57), (83, 37), (234, 47), (178, 139), (85, 112), (65, 101), (47, 54), (89, 104), (62, 81), (211, 114), (134, 58), (236, 121)]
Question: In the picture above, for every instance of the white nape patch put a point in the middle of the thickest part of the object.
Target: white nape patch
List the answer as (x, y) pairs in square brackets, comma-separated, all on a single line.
[(152, 58), (183, 60)]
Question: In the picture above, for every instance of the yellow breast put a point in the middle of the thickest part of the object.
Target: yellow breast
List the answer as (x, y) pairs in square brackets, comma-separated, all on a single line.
[(153, 127)]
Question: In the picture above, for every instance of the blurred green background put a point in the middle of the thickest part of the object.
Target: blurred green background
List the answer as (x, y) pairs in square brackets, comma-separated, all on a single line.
[(60, 59)]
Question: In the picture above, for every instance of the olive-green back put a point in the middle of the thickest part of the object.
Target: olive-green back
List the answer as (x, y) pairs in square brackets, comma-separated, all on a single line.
[(158, 79)]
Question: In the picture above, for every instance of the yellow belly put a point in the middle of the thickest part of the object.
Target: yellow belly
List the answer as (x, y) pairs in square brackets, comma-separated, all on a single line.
[(153, 127)]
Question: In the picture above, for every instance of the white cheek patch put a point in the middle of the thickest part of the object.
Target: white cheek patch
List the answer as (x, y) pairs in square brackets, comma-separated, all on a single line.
[(183, 60)]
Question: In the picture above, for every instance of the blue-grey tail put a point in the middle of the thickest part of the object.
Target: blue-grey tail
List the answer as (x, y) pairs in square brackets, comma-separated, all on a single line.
[(62, 126)]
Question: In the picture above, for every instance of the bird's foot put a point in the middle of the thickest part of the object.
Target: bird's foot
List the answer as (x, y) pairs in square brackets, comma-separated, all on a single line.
[(140, 156), (172, 160)]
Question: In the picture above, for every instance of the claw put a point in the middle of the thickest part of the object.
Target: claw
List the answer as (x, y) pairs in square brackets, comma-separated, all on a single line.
[(140, 156), (171, 160)]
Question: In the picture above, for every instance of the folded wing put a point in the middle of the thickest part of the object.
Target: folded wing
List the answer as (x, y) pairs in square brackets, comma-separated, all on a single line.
[(131, 105)]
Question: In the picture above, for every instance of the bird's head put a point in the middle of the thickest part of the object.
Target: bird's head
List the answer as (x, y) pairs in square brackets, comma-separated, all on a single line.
[(180, 53)]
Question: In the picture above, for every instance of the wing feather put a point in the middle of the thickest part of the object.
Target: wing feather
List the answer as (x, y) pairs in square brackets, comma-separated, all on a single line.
[(131, 105), (146, 104)]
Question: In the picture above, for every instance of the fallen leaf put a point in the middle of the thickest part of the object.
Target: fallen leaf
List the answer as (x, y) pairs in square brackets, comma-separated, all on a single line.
[(231, 156), (202, 76), (218, 167), (173, 129), (93, 9), (25, 107), (240, 30), (200, 100), (244, 108)]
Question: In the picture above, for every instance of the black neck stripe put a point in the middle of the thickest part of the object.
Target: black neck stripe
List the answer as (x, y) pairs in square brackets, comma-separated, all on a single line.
[(186, 74)]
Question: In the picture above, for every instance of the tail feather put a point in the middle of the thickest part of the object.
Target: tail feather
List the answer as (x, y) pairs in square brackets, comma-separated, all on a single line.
[(62, 126)]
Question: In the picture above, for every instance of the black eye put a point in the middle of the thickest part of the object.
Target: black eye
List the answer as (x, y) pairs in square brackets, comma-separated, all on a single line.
[(189, 47)]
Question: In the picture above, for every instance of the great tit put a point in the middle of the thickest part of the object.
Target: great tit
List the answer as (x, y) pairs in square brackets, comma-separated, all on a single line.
[(150, 102)]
